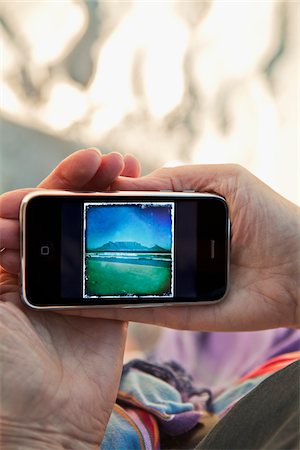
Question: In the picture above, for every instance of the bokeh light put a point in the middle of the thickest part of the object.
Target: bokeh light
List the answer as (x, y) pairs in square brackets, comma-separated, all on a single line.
[(173, 82)]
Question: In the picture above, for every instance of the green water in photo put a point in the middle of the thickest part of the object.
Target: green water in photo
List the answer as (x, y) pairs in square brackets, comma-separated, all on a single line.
[(122, 278)]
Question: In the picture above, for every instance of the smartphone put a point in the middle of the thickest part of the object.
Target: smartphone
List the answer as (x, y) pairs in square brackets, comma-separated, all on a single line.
[(123, 249)]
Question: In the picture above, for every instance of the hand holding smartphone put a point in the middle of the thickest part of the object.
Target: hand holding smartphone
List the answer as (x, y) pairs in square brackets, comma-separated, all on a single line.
[(260, 239), (123, 249)]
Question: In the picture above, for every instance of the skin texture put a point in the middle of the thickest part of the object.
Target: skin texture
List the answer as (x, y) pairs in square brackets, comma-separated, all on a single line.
[(71, 361), (60, 374), (265, 253), (265, 257)]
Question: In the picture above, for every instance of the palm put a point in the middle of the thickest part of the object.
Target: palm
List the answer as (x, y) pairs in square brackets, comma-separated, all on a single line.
[(262, 247), (262, 253), (71, 366), (264, 257)]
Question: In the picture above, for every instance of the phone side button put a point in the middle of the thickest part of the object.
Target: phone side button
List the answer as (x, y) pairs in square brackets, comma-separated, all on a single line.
[(166, 190)]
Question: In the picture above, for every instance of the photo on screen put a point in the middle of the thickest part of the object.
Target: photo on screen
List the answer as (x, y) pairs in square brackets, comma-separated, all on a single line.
[(128, 250)]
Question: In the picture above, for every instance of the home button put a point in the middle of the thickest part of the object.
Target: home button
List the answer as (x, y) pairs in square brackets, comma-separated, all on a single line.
[(45, 250)]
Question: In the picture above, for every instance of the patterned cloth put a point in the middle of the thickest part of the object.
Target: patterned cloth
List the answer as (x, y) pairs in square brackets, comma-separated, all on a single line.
[(153, 401), (158, 402), (226, 400), (221, 358)]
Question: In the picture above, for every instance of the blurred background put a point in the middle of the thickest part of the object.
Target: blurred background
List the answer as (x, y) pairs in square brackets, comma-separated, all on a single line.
[(172, 82)]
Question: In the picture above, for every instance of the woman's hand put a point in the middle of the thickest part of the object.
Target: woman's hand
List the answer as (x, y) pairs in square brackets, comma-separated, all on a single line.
[(84, 170), (60, 374), (265, 256)]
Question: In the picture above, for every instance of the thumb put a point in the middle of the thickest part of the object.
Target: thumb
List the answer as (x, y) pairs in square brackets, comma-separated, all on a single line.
[(221, 179)]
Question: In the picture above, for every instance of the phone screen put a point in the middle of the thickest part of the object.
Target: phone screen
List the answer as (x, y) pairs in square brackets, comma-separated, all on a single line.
[(117, 250), (133, 256)]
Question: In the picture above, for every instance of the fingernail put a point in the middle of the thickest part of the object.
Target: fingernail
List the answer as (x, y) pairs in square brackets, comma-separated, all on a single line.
[(116, 153), (95, 149)]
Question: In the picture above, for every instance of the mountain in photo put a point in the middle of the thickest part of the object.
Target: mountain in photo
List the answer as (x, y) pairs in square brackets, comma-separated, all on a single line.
[(120, 246)]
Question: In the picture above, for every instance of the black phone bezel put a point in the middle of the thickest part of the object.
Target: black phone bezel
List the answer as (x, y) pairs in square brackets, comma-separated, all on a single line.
[(42, 226)]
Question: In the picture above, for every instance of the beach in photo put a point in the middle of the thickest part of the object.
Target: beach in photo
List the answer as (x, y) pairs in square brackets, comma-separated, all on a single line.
[(128, 249)]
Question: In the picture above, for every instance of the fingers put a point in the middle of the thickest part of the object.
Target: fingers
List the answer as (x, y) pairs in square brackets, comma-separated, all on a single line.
[(83, 170), (89, 170), (79, 166), (10, 241), (10, 260), (9, 229), (9, 235), (75, 171), (10, 203), (132, 167), (111, 167)]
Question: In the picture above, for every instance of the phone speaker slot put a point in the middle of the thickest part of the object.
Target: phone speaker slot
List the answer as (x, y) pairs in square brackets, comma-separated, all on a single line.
[(212, 248)]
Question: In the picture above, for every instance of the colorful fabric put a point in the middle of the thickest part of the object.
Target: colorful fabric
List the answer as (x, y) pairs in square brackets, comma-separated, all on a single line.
[(221, 358), (131, 428), (224, 402), (159, 401), (149, 406), (273, 365)]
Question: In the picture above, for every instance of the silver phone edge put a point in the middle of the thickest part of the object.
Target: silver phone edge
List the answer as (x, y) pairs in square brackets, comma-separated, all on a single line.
[(22, 214)]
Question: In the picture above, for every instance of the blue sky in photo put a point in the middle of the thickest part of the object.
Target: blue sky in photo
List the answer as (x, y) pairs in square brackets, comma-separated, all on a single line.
[(146, 224)]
